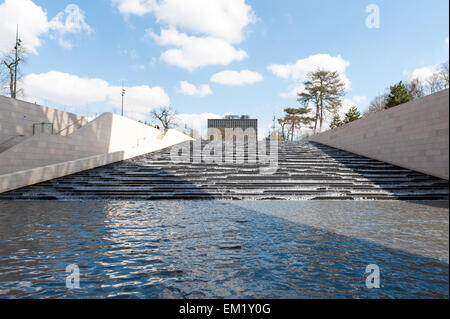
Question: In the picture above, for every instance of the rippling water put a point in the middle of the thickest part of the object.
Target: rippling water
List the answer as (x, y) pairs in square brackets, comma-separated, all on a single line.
[(206, 249)]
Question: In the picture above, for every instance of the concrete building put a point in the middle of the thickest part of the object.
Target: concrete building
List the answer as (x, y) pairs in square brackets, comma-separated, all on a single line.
[(233, 127)]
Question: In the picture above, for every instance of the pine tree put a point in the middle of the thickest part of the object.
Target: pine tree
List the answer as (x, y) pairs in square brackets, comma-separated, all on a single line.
[(398, 94), (336, 122), (352, 115), (294, 119), (325, 90)]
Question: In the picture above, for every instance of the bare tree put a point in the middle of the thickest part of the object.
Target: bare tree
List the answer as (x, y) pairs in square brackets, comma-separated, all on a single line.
[(8, 70), (416, 88), (166, 116), (435, 83), (378, 104), (444, 72)]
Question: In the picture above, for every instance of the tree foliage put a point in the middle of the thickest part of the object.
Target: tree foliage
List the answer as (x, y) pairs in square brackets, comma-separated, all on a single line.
[(398, 94), (336, 121), (293, 120), (352, 115), (324, 90)]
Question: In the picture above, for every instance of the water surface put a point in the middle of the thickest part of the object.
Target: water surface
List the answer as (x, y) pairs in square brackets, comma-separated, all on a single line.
[(208, 249)]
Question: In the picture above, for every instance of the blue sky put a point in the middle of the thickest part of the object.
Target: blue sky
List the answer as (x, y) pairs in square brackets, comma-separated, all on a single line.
[(152, 46)]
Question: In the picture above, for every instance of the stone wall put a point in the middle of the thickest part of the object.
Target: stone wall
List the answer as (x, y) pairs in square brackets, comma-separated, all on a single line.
[(44, 157), (17, 119), (413, 135)]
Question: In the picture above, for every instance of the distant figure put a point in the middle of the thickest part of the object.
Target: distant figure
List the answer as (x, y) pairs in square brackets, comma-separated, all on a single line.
[(157, 127)]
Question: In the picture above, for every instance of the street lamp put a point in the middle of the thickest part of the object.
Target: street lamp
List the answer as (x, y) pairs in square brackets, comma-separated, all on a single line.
[(16, 62), (123, 94)]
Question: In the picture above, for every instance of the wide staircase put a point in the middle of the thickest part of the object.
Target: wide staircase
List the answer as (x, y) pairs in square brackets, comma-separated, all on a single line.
[(306, 171)]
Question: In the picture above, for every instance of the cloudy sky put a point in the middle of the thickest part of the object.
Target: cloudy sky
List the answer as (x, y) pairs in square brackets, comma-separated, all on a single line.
[(208, 58)]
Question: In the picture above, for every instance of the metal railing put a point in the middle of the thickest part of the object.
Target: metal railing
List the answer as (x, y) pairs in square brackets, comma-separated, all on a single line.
[(67, 127), (42, 125), (10, 139)]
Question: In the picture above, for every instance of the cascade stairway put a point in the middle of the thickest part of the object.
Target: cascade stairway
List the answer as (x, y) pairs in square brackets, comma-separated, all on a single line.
[(306, 171)]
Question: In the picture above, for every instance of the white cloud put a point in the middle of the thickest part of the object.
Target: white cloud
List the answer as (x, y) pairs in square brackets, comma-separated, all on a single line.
[(423, 74), (30, 18), (33, 24), (192, 52), (140, 99), (223, 19), (214, 27), (292, 92), (446, 41), (137, 7), (298, 70), (65, 88), (236, 78), (199, 122), (187, 88), (71, 90)]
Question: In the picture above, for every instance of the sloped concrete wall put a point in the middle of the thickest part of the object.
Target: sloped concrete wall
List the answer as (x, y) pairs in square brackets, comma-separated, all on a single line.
[(413, 135), (17, 119), (108, 134), (40, 174), (92, 139)]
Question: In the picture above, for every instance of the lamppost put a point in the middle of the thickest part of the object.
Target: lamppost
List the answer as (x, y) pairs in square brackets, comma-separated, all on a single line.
[(123, 94), (16, 62)]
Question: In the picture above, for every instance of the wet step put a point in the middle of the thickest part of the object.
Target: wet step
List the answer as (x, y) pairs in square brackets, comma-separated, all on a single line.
[(306, 171)]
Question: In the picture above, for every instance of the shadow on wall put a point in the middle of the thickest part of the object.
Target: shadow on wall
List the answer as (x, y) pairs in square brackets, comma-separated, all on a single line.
[(18, 117), (435, 185), (39, 151), (120, 180), (414, 135), (36, 175)]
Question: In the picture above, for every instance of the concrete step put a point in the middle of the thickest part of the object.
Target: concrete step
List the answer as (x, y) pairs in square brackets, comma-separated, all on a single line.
[(306, 171)]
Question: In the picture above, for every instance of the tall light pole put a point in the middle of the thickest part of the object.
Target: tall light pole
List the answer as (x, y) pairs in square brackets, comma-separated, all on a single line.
[(123, 94), (16, 62)]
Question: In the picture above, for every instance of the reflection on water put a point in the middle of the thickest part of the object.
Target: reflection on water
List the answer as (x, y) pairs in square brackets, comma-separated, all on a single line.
[(205, 249)]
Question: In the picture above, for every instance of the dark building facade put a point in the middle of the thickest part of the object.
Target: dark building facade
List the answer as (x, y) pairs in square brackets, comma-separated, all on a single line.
[(243, 122)]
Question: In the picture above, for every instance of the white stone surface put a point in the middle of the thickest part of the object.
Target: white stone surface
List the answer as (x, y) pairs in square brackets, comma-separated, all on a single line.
[(41, 158), (17, 119), (413, 135)]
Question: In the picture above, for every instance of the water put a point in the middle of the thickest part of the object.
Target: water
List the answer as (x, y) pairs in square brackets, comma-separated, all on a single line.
[(209, 249)]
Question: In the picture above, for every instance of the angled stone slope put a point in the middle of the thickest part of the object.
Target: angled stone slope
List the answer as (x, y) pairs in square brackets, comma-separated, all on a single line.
[(107, 139), (413, 135), (306, 171)]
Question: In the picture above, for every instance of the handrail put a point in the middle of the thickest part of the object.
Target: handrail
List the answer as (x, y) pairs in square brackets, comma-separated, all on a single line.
[(11, 138), (42, 125), (58, 133)]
